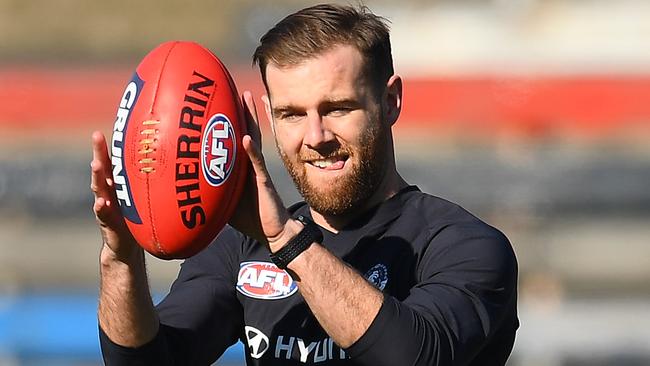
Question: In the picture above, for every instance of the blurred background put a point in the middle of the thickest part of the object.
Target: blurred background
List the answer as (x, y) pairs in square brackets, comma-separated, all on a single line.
[(533, 114)]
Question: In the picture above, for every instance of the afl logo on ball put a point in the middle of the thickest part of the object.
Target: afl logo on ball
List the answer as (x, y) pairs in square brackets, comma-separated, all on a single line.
[(218, 150)]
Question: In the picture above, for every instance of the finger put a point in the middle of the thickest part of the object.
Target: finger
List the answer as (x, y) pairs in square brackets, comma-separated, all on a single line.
[(273, 214), (104, 194), (100, 145), (252, 118), (100, 150), (256, 158), (96, 178), (249, 102), (99, 169), (105, 206), (102, 209), (101, 183)]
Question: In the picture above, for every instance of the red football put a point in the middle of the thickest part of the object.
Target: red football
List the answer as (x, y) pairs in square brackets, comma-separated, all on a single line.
[(177, 163)]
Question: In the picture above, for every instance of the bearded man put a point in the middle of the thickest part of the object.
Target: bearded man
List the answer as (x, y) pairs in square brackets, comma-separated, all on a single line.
[(367, 271)]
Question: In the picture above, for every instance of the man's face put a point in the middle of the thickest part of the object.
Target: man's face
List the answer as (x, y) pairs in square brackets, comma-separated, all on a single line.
[(329, 129)]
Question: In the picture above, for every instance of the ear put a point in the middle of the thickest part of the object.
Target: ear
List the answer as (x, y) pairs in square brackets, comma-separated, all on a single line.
[(393, 99), (267, 109)]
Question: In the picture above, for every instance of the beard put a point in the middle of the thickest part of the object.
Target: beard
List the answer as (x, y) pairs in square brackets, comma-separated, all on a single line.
[(349, 192)]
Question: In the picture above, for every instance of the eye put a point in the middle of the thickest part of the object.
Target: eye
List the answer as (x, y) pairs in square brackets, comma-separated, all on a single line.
[(339, 111), (290, 116)]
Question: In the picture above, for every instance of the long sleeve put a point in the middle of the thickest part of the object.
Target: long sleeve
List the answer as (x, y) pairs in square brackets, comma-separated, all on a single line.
[(462, 311), (199, 318)]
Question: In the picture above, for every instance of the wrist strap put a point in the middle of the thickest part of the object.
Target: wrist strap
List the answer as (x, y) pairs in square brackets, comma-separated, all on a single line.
[(298, 244)]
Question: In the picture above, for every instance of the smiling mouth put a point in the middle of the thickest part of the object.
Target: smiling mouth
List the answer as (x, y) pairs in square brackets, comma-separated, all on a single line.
[(330, 163)]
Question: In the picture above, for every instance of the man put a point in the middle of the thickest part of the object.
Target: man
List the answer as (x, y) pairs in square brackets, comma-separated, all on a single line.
[(369, 271)]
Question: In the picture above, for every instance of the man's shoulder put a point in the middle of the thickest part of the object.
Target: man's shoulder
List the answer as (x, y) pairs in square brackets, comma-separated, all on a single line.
[(436, 210), (442, 218), (451, 235)]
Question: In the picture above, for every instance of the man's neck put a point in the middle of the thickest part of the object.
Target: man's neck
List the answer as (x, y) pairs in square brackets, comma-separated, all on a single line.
[(334, 223)]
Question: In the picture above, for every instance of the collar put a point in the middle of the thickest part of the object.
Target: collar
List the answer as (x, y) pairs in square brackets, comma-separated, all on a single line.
[(370, 223)]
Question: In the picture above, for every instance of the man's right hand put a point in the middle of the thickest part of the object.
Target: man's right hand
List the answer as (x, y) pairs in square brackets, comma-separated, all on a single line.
[(126, 312), (115, 234)]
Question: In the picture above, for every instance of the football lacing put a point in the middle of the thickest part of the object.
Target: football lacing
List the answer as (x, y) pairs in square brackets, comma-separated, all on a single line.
[(149, 138)]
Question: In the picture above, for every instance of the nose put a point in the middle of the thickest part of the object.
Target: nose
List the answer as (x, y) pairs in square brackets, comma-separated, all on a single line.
[(317, 133)]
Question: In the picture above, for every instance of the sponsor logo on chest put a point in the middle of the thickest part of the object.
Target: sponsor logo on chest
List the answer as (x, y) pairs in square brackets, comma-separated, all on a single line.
[(264, 280), (257, 341), (283, 347)]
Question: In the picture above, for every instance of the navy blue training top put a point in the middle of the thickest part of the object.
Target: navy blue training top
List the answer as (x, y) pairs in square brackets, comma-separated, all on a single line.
[(449, 280)]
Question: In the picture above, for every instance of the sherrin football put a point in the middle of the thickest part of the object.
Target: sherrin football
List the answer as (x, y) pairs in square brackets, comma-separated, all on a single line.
[(177, 165)]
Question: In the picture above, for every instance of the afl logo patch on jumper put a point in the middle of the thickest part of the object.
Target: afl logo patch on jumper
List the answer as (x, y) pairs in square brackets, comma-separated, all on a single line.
[(218, 150), (264, 280), (378, 276)]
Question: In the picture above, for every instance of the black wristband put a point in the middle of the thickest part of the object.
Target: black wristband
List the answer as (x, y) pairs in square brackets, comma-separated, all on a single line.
[(308, 235)]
